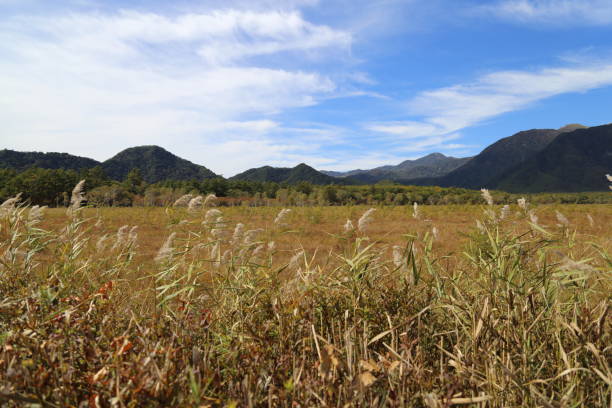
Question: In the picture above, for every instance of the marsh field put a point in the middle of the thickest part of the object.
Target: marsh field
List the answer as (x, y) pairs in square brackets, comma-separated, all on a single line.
[(434, 306)]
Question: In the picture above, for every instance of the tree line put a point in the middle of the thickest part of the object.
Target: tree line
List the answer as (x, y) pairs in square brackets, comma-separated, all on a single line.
[(52, 187)]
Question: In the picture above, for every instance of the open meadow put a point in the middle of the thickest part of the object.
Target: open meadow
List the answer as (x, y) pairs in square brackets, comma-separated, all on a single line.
[(433, 306)]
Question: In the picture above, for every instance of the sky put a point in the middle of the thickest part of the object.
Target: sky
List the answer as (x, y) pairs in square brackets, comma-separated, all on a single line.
[(336, 84)]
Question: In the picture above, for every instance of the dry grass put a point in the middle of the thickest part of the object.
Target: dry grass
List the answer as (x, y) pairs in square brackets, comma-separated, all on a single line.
[(428, 312)]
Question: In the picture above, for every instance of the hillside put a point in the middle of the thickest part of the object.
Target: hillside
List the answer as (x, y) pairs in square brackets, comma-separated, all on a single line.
[(574, 161), (155, 164), (299, 173), (498, 158), (21, 161), (432, 165)]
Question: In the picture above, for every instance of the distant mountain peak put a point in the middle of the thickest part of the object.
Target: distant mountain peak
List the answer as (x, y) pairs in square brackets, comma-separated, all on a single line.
[(290, 175), (155, 163), (435, 155), (571, 127)]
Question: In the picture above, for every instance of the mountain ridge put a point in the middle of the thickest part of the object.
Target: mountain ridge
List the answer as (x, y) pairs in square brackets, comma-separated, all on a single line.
[(575, 161), (571, 158), (155, 163), (290, 175), (431, 165)]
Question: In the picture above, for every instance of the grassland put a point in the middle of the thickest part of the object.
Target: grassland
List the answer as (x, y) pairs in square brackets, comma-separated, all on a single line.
[(460, 306)]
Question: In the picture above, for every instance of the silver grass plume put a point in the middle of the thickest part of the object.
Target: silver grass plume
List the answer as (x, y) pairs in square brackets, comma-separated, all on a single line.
[(434, 233), (166, 249), (591, 221), (101, 244), (238, 233), (281, 217), (398, 256), (121, 234), (210, 200), (218, 233), (212, 216), (522, 203), (295, 260), (259, 250), (486, 195), (571, 265), (36, 213), (533, 217), (195, 203), (504, 212), (77, 196), (480, 227), (11, 202), (348, 226), (416, 214), (133, 235), (227, 255), (562, 219), (183, 201), (215, 253), (365, 220), (251, 235)]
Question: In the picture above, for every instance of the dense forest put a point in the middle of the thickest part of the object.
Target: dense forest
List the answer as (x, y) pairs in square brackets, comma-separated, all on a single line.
[(52, 187)]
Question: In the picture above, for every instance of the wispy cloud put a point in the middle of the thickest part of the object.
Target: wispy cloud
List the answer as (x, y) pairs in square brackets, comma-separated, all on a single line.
[(554, 12), (101, 82), (445, 111)]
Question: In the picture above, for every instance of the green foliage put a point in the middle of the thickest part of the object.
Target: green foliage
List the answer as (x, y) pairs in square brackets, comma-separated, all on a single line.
[(575, 161), (155, 164), (298, 174), (52, 188), (498, 158), (21, 161)]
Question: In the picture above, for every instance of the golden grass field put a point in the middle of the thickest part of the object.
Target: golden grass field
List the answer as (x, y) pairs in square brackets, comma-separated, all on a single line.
[(317, 229), (433, 311)]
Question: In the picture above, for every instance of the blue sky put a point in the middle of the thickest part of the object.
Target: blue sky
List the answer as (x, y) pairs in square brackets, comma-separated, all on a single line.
[(337, 84)]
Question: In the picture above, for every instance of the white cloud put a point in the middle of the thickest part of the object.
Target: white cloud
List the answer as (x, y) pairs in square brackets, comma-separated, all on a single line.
[(457, 107), (93, 84), (554, 12), (446, 111), (407, 129)]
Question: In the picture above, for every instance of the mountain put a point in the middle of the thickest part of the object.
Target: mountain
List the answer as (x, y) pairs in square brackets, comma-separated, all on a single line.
[(432, 165), (575, 161), (498, 158), (155, 164), (301, 172), (23, 160)]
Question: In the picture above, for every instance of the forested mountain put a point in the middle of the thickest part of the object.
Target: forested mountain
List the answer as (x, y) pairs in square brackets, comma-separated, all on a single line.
[(155, 164), (20, 161), (432, 165), (572, 158), (299, 173), (574, 161), (498, 158)]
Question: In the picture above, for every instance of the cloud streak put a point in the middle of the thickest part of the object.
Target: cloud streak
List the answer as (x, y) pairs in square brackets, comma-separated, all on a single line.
[(554, 12), (448, 110)]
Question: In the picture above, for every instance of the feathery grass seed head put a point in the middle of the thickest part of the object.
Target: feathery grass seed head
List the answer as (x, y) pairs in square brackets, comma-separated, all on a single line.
[(280, 219), (486, 195), (365, 220), (183, 201)]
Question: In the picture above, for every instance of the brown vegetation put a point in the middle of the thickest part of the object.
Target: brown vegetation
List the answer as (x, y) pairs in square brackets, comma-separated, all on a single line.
[(451, 306)]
